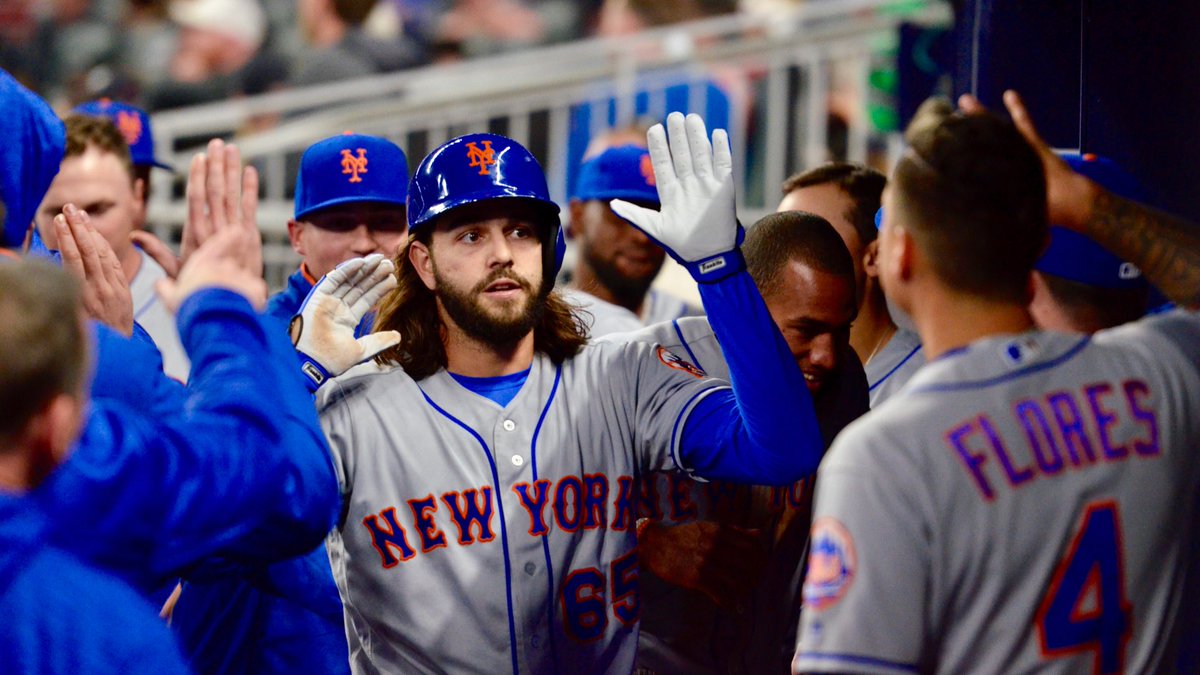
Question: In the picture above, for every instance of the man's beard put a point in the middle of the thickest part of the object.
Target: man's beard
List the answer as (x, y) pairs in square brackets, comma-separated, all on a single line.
[(629, 292), (467, 310)]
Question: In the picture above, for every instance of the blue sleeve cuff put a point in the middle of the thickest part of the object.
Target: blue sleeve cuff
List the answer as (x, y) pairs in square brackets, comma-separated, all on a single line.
[(718, 267)]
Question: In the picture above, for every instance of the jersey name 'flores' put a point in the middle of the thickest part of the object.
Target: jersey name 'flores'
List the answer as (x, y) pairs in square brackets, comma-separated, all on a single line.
[(488, 539), (1024, 504)]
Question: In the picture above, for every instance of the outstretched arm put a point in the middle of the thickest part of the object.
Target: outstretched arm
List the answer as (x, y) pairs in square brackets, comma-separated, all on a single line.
[(765, 430), (1164, 247), (239, 468)]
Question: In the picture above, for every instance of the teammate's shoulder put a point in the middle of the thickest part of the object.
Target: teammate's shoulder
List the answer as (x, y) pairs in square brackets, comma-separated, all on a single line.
[(670, 334), (1179, 326)]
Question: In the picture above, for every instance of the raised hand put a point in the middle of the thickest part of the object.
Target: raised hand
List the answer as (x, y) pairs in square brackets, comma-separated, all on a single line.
[(697, 221), (221, 195), (1069, 196), (217, 263), (1166, 248), (323, 331), (87, 255)]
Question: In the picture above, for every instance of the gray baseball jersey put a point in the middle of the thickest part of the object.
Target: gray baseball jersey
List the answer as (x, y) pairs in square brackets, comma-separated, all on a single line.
[(484, 539), (894, 365), (1026, 503), (159, 322), (607, 318), (684, 631)]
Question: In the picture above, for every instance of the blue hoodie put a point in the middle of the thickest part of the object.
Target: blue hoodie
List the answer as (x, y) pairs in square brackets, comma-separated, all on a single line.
[(34, 142), (64, 617)]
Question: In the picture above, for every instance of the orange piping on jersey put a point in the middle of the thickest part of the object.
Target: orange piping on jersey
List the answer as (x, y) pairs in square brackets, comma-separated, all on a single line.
[(307, 275)]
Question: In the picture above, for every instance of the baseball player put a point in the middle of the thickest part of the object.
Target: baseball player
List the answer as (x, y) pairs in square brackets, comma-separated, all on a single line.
[(725, 561), (1027, 502), (63, 616), (287, 616), (134, 498), (489, 487), (97, 174), (848, 195), (349, 204), (617, 262), (138, 495), (1078, 285)]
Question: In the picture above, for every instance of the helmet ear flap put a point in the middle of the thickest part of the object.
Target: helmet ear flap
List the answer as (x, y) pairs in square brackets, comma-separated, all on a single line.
[(552, 256)]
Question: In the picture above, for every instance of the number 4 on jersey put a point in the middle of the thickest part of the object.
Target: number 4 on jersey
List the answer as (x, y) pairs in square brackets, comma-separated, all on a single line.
[(1085, 608)]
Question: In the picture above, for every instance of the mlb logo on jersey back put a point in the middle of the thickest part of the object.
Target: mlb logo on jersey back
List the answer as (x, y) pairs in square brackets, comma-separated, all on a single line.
[(1021, 349), (831, 564)]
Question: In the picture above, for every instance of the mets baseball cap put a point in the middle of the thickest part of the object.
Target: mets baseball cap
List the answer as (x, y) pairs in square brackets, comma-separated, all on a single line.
[(623, 172), (134, 125), (351, 168), (1078, 258)]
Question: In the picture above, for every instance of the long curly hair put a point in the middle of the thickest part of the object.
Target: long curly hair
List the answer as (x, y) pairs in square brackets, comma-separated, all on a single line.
[(412, 310)]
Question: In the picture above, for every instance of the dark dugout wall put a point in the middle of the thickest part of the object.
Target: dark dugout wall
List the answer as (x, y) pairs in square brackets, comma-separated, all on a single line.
[(1119, 78)]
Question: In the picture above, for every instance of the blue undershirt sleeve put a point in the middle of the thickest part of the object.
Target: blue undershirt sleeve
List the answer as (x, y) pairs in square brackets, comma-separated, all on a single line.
[(765, 430)]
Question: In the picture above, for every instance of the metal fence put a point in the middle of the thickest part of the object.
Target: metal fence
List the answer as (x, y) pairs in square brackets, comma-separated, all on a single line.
[(774, 80)]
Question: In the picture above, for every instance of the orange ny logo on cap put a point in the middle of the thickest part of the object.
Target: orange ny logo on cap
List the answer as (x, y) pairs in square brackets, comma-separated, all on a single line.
[(354, 165), (481, 158), (647, 170), (130, 126)]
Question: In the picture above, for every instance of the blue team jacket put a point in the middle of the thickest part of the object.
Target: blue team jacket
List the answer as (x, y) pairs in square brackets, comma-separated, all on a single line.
[(286, 303), (62, 616), (234, 464), (284, 617)]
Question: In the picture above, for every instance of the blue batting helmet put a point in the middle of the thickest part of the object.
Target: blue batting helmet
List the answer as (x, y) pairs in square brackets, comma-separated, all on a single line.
[(478, 168)]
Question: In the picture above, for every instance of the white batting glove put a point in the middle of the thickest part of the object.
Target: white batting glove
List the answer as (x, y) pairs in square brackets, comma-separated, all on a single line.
[(697, 222), (323, 331)]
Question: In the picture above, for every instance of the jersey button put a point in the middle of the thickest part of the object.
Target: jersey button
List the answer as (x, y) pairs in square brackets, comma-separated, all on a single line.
[(518, 460), (509, 425), (530, 568)]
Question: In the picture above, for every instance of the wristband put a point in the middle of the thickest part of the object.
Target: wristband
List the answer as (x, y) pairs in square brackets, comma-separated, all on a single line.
[(717, 267)]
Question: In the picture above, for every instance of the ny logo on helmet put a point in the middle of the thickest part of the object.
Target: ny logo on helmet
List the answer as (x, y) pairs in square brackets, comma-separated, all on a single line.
[(130, 126), (481, 158), (354, 165)]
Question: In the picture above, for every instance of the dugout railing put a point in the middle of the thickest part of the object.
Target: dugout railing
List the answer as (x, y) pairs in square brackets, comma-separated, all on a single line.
[(794, 87)]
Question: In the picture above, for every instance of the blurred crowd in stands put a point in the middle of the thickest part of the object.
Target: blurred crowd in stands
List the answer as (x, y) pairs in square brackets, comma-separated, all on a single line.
[(170, 53)]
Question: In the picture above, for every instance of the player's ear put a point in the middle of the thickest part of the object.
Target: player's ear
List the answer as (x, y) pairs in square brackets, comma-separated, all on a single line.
[(870, 259), (902, 255), (65, 414), (139, 199), (296, 236), (422, 262)]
